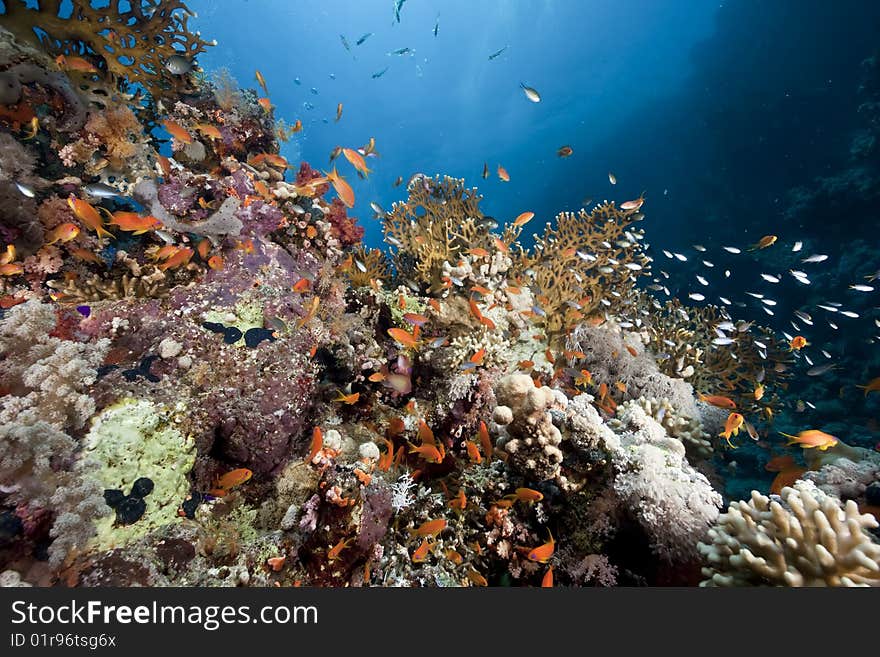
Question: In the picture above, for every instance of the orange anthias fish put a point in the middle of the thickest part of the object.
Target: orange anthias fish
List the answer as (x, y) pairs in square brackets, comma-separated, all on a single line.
[(718, 401), (338, 112), (780, 463), (732, 427), (336, 550), (404, 338), (525, 495), (542, 553), (872, 386), (635, 204), (459, 502), (272, 159), (564, 151), (266, 104), (477, 578), (430, 528), (759, 391), (547, 580), (215, 262), (181, 257), (812, 438), (348, 399), (428, 452), (86, 213), (132, 222), (763, 243), (77, 64), (84, 254), (63, 233), (485, 441), (798, 342), (261, 81), (523, 219), (316, 445), (356, 160), (422, 551), (502, 174), (786, 478), (11, 269), (177, 131), (343, 189), (230, 480), (472, 452), (210, 131)]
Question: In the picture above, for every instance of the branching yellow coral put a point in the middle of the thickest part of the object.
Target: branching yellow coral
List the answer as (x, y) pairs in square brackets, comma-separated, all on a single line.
[(585, 265), (368, 265), (437, 223), (133, 38), (685, 337)]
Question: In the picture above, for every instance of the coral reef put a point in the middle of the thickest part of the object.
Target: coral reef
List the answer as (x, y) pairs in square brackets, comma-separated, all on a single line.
[(208, 380)]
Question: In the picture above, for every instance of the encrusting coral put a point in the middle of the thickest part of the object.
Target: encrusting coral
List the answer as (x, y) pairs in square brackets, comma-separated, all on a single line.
[(802, 538)]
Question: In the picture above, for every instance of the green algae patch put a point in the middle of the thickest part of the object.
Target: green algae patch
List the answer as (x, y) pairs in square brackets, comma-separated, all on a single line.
[(247, 314), (132, 439)]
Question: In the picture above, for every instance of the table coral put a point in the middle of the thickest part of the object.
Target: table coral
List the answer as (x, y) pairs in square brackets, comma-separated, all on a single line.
[(801, 538)]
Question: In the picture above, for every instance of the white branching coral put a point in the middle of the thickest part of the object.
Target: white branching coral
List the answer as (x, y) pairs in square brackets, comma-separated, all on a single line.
[(47, 379), (674, 503), (688, 430), (802, 538), (43, 372), (401, 492)]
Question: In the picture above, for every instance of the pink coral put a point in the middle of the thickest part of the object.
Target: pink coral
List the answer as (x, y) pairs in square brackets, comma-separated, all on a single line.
[(345, 228), (307, 173)]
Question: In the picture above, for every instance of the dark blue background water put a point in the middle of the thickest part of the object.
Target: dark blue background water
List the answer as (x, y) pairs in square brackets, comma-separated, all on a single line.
[(447, 108)]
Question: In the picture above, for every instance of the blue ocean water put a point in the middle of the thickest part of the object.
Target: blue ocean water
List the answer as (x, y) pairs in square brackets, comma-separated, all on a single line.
[(446, 108)]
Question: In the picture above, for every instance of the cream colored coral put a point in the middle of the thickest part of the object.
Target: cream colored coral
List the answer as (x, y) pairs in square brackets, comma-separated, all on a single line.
[(533, 439), (806, 538), (688, 430)]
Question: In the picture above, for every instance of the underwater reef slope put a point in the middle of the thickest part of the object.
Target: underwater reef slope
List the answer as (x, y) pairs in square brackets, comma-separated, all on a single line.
[(207, 380)]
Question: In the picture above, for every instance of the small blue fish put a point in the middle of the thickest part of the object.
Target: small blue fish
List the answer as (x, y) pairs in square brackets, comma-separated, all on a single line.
[(85, 311)]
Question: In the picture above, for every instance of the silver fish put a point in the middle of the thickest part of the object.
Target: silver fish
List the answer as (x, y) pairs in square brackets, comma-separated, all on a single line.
[(815, 258), (531, 94), (803, 316), (26, 190), (826, 354), (797, 247), (680, 256), (725, 300), (723, 341), (769, 278), (699, 247), (361, 266), (707, 263), (702, 280), (769, 302), (731, 249), (696, 296), (755, 294), (861, 288), (849, 313), (101, 190), (819, 370), (178, 65), (830, 309), (668, 254), (832, 325)]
